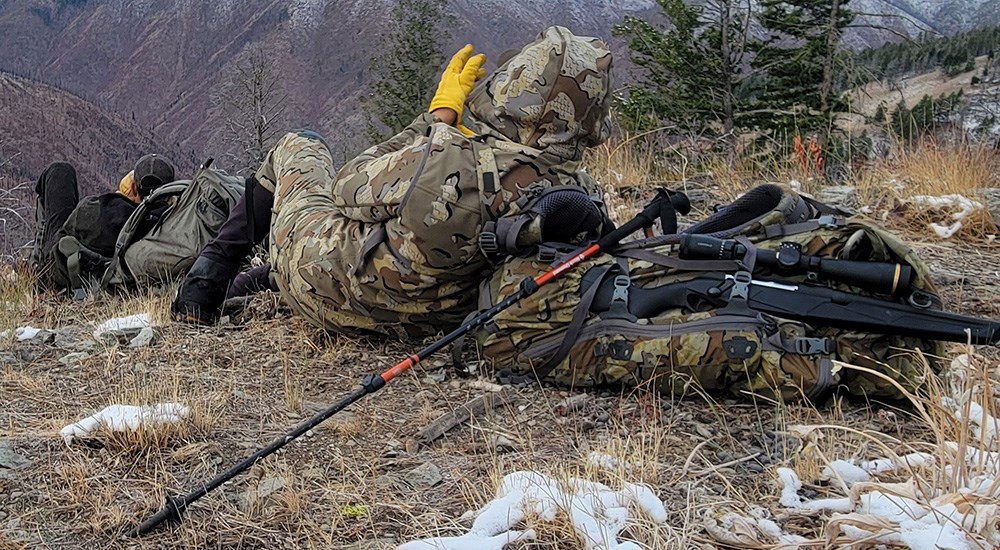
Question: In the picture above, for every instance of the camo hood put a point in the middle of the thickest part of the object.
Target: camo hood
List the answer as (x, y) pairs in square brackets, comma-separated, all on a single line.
[(554, 95)]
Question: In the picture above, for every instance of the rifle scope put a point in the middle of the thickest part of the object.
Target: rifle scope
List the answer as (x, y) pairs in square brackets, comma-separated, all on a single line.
[(878, 277)]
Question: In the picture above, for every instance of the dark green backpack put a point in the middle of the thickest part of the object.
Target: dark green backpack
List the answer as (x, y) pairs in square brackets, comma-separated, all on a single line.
[(556, 336), (150, 252)]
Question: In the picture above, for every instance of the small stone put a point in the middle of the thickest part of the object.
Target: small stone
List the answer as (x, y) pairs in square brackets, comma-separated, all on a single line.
[(145, 338), (423, 476), (502, 444), (755, 468), (71, 359), (10, 461), (436, 377), (265, 488), (603, 417), (16, 494)]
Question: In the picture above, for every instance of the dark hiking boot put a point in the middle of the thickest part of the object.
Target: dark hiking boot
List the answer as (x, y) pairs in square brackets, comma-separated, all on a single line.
[(199, 300), (200, 297), (250, 282)]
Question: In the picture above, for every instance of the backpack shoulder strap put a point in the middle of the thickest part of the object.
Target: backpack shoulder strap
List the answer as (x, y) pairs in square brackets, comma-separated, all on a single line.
[(127, 234)]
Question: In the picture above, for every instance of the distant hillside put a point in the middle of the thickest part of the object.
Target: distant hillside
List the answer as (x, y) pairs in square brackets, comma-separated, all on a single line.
[(40, 124), (160, 60)]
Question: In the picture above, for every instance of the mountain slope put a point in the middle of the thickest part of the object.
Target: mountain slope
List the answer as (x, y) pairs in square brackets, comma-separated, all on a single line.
[(40, 124), (160, 60)]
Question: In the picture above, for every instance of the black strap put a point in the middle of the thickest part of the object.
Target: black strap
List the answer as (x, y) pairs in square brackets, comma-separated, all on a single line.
[(673, 262), (377, 237)]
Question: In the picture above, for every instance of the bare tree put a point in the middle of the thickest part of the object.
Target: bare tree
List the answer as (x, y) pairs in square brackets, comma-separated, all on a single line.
[(249, 109)]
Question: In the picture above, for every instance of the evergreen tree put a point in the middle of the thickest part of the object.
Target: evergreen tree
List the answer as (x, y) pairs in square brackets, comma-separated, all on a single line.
[(407, 67), (694, 69), (799, 58)]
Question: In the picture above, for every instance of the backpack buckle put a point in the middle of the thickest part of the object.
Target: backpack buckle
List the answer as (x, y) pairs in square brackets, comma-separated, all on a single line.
[(488, 242), (813, 346), (547, 254), (829, 221)]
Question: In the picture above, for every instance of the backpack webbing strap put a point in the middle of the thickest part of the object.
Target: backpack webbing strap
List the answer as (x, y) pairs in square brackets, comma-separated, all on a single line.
[(825, 348), (459, 346), (672, 262), (826, 221), (70, 248), (580, 316), (824, 208)]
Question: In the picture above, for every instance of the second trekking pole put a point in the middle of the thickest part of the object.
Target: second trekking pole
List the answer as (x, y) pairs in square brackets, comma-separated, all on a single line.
[(663, 206)]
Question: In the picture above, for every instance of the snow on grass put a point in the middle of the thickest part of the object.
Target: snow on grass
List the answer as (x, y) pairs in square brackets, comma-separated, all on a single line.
[(598, 513), (897, 513), (132, 322), (121, 418), (963, 207), (21, 333)]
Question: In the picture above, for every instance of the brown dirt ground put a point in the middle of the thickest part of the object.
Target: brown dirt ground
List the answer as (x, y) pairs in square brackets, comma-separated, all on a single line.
[(253, 379)]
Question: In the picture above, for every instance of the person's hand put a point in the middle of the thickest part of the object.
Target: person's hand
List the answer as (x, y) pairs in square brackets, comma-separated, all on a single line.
[(457, 81)]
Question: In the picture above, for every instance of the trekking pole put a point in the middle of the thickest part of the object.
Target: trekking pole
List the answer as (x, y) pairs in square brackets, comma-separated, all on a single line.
[(663, 202)]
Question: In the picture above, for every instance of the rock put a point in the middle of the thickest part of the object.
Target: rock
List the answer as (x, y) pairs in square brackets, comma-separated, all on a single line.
[(844, 196), (8, 358), (382, 543), (423, 476), (68, 338), (145, 337), (265, 488), (71, 359), (991, 196), (112, 337), (10, 461)]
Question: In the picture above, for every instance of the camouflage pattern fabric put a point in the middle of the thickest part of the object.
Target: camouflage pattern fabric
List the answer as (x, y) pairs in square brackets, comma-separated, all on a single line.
[(682, 352), (390, 241), (553, 96)]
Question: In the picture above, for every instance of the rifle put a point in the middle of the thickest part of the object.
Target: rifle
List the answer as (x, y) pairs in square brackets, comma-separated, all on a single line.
[(740, 293)]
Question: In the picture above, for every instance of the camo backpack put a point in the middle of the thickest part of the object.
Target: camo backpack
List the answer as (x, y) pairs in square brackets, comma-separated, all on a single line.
[(557, 334)]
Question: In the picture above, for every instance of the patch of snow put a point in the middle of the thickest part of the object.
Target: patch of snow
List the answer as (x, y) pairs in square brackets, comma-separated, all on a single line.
[(121, 418), (912, 460), (21, 333), (842, 505), (849, 472), (470, 541), (131, 322), (598, 513), (892, 507), (964, 205), (790, 485)]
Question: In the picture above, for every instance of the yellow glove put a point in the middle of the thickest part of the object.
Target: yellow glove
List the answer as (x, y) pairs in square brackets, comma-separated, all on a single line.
[(457, 81)]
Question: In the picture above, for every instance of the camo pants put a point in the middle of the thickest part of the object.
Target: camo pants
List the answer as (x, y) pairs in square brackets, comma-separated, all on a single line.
[(340, 273)]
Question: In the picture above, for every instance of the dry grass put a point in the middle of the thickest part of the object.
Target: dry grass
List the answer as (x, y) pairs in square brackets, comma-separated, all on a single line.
[(249, 382), (936, 170)]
